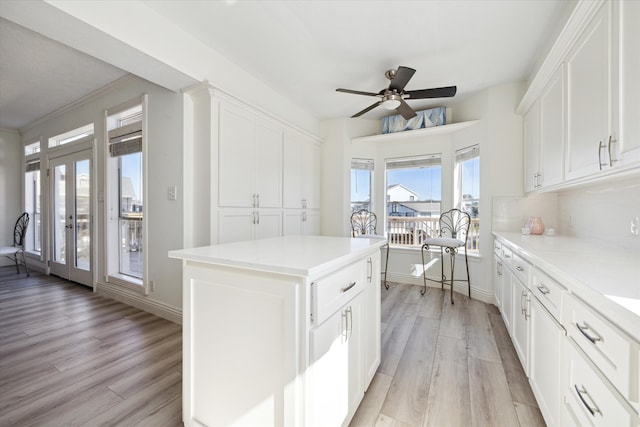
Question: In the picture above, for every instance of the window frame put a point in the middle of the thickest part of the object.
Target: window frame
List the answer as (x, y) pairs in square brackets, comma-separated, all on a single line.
[(112, 200), (33, 156), (463, 155)]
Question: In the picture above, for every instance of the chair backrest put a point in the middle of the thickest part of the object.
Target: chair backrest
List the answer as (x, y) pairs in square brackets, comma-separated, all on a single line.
[(454, 223), (20, 230), (363, 223)]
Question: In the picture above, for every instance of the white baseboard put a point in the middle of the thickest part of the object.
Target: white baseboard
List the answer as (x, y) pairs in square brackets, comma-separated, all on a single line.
[(140, 301), (459, 287)]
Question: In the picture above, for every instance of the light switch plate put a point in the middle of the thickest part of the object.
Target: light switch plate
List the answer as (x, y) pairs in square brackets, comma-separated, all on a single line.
[(172, 192)]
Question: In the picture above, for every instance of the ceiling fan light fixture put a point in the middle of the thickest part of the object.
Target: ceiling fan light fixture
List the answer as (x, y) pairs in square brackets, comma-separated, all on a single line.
[(391, 102)]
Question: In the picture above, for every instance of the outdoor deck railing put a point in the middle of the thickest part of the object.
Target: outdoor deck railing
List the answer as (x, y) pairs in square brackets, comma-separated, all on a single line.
[(412, 231)]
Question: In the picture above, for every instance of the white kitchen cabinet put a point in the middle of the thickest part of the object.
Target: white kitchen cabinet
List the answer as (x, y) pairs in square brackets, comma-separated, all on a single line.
[(507, 290), (277, 332), (532, 147), (588, 99), (305, 222), (497, 281), (336, 385), (521, 324), (302, 159), (552, 132), (249, 159), (247, 224), (547, 336), (627, 151), (371, 342)]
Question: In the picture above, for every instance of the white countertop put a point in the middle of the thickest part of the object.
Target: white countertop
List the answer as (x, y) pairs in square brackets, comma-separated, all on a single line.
[(602, 274), (294, 255)]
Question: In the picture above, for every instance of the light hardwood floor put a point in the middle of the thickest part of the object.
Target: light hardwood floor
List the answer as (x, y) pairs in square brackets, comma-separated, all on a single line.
[(69, 357), (445, 365)]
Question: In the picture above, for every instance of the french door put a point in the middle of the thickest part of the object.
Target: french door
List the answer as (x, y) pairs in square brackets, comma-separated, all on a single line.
[(71, 217)]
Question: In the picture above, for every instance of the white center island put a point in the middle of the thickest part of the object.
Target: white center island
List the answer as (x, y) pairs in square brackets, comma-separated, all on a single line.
[(279, 332)]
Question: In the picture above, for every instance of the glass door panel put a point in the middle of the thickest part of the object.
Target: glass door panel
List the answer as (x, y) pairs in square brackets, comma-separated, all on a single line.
[(71, 216), (82, 203), (59, 214)]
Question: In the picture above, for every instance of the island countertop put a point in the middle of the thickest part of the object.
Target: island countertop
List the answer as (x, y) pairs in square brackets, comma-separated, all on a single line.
[(601, 273), (294, 255)]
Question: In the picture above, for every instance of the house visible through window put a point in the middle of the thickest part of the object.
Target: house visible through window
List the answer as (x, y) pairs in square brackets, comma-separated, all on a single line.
[(467, 185), (361, 178), (127, 172), (414, 197)]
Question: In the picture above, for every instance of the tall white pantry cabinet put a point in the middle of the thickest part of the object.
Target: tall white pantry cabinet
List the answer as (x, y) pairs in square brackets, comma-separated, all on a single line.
[(268, 175)]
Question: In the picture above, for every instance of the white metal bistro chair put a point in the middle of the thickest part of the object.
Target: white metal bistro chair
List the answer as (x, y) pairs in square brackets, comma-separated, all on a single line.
[(454, 234), (11, 252), (363, 224)]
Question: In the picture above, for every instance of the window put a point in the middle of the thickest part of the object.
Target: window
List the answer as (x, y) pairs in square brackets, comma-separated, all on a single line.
[(361, 178), (71, 136), (33, 239), (467, 187), (126, 188), (414, 195), (32, 148)]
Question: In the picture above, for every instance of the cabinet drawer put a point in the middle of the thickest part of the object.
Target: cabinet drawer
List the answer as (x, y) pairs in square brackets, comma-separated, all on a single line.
[(333, 290), (548, 292), (607, 347), (591, 400), (521, 269)]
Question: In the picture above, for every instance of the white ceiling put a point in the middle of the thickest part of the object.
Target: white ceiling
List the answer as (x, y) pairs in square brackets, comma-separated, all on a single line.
[(307, 49)]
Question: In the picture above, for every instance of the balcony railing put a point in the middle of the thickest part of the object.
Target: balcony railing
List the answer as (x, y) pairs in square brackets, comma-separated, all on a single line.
[(413, 231)]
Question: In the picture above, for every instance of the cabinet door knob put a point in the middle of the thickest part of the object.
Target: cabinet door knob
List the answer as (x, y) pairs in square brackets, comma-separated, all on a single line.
[(543, 290)]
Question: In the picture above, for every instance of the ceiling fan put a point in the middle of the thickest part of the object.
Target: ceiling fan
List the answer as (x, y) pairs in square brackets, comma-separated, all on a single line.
[(393, 97)]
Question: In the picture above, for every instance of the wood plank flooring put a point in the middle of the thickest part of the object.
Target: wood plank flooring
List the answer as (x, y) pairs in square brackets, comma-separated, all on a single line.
[(69, 357), (445, 365)]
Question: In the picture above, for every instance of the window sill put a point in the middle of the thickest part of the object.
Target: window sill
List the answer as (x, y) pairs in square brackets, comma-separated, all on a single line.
[(126, 281)]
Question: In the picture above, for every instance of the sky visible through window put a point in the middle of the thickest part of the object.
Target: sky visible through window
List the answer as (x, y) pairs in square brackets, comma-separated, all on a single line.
[(470, 178), (360, 185), (132, 168), (427, 182)]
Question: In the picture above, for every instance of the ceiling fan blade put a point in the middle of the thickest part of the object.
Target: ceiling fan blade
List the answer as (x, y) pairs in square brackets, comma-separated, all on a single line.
[(440, 92), (369, 108), (401, 78), (356, 92), (406, 111)]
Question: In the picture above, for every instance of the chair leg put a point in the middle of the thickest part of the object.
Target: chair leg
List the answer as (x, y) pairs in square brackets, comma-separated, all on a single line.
[(424, 273), (15, 259), (24, 260), (468, 277), (442, 276), (386, 268), (453, 267)]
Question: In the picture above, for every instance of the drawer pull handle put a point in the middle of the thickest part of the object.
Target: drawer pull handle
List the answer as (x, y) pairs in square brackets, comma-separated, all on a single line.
[(543, 290), (369, 270), (507, 256), (519, 268), (351, 285), (591, 408), (592, 338)]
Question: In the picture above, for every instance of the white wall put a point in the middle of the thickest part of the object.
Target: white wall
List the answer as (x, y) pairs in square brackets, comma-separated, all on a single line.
[(164, 217), (10, 187)]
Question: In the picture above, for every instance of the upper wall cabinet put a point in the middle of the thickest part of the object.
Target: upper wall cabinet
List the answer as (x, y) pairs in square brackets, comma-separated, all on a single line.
[(592, 107), (588, 115), (628, 150), (544, 136), (302, 158), (250, 159)]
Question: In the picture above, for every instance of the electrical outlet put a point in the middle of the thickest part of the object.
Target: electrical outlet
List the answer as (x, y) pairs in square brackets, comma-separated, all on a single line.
[(635, 226), (152, 284), (570, 220)]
